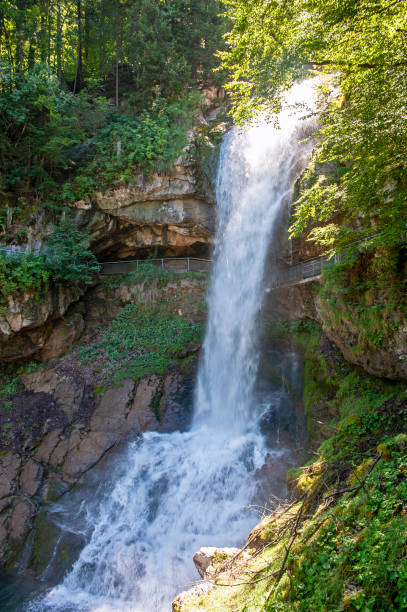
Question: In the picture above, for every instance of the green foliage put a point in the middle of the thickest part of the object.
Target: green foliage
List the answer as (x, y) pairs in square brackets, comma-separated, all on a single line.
[(373, 305), (356, 558), (67, 262), (343, 546), (142, 340), (10, 379), (363, 125), (71, 145), (155, 47)]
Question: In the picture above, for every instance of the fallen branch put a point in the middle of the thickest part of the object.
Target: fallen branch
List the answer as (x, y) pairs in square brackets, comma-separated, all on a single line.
[(354, 490)]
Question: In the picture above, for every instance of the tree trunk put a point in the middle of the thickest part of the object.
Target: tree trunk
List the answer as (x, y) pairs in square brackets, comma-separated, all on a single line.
[(78, 75), (117, 51), (59, 42)]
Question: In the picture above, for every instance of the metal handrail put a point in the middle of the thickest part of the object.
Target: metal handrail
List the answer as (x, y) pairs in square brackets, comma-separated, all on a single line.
[(106, 266), (120, 261)]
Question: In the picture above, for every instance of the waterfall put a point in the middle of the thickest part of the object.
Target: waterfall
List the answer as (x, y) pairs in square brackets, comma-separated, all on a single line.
[(173, 493)]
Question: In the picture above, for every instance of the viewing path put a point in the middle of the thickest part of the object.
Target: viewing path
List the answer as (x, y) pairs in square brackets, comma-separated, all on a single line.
[(294, 274)]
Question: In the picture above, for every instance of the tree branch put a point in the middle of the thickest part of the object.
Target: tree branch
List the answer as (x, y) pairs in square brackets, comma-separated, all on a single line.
[(362, 66)]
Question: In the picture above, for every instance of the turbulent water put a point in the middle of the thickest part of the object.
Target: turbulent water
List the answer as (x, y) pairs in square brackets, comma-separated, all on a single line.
[(174, 493)]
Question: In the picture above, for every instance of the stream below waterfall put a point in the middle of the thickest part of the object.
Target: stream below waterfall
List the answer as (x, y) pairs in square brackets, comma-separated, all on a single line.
[(158, 500)]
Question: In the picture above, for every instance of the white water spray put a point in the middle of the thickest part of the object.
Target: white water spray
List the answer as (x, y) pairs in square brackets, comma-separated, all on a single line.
[(177, 492)]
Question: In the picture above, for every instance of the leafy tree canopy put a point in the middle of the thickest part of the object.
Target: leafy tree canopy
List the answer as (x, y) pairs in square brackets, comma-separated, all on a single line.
[(362, 44)]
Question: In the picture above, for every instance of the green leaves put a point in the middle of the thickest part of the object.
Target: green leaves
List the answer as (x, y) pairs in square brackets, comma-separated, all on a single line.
[(363, 132), (58, 147), (142, 340), (67, 262)]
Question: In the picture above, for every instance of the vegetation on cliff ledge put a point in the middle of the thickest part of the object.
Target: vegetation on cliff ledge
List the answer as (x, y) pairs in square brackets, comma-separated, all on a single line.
[(67, 261), (91, 93), (343, 544)]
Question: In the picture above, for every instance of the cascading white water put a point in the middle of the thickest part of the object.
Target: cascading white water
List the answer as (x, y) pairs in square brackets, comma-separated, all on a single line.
[(174, 493)]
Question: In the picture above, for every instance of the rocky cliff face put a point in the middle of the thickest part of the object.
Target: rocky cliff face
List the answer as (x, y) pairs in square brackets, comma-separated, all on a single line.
[(67, 416), (168, 214), (40, 325), (366, 319), (383, 355)]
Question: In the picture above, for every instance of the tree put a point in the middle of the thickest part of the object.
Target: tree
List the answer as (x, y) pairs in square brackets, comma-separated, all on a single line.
[(362, 45)]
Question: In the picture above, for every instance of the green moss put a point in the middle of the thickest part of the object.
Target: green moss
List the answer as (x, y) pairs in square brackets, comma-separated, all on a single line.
[(43, 542), (99, 390), (371, 302), (155, 404)]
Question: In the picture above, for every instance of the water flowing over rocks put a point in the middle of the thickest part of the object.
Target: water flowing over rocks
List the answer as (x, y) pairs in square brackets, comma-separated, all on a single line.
[(174, 491), (62, 424), (73, 434)]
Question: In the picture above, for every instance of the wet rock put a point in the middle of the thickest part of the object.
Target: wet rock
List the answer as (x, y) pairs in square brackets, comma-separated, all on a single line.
[(54, 488), (110, 415), (9, 466), (6, 502), (64, 335), (142, 416), (74, 439), (20, 518), (88, 452), (59, 453), (47, 446), (68, 394), (30, 477)]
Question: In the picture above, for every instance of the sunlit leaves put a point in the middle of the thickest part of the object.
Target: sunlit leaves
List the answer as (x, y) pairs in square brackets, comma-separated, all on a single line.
[(364, 127)]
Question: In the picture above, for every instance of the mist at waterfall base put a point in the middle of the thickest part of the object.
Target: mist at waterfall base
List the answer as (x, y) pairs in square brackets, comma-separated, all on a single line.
[(172, 493)]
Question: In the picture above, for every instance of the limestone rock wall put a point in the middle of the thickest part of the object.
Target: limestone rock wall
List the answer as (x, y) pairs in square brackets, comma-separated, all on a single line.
[(71, 429), (167, 214), (40, 325)]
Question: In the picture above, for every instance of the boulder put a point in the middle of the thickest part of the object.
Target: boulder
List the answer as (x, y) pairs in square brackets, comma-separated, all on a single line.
[(208, 557)]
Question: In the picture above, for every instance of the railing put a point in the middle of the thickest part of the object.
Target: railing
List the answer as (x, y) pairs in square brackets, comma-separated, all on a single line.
[(169, 264), (297, 273), (303, 272)]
